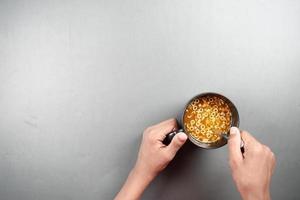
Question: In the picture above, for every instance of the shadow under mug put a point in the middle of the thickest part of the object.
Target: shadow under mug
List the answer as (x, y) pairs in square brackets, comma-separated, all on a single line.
[(221, 142)]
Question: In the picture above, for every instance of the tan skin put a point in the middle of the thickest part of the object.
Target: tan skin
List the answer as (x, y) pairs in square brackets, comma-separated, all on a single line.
[(251, 171)]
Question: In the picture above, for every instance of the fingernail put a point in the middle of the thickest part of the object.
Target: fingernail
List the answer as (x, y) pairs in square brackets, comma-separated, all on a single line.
[(182, 136), (234, 130)]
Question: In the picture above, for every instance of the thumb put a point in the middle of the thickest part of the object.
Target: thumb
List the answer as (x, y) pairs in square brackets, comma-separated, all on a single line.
[(234, 142), (177, 142)]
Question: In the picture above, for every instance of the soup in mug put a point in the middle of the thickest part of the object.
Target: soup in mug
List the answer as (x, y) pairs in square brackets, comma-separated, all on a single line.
[(206, 117)]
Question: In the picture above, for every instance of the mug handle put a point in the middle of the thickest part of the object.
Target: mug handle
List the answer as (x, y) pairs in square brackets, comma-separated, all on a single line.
[(170, 136)]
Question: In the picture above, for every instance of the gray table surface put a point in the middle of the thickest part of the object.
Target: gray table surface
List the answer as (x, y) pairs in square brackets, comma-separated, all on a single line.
[(81, 80)]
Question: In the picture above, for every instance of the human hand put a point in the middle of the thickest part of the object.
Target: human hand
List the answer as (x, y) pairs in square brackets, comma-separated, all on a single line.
[(251, 171), (153, 157)]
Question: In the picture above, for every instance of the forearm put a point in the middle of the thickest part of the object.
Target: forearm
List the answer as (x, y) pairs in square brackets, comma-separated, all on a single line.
[(134, 186)]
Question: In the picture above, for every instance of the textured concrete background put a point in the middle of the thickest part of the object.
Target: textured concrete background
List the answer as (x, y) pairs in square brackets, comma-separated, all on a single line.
[(80, 80)]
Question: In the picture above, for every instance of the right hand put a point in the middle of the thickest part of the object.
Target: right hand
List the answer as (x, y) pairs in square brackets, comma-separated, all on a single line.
[(251, 171)]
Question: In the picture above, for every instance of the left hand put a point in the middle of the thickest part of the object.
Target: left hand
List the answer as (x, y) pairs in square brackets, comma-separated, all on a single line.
[(153, 157)]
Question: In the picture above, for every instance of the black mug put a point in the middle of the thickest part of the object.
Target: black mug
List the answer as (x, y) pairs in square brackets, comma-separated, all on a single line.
[(221, 142)]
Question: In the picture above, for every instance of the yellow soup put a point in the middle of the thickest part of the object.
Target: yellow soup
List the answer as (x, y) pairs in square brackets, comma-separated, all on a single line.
[(206, 117)]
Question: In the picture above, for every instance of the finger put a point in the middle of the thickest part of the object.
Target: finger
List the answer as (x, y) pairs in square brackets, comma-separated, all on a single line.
[(250, 142), (247, 137), (176, 143), (234, 145), (273, 162), (164, 128)]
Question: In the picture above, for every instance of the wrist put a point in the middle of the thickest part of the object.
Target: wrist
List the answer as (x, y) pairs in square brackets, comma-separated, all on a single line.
[(252, 195), (143, 174), (134, 186)]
